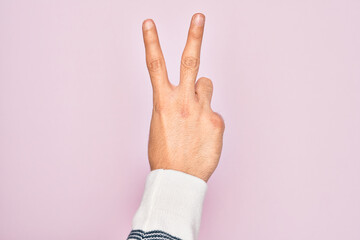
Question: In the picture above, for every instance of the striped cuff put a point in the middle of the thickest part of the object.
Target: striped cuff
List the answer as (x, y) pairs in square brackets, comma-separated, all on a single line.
[(171, 206), (151, 235)]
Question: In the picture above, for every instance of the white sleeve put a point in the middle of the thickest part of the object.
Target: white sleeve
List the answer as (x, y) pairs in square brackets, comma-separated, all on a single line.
[(170, 208)]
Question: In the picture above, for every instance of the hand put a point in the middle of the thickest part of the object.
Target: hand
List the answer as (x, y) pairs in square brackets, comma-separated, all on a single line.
[(185, 134)]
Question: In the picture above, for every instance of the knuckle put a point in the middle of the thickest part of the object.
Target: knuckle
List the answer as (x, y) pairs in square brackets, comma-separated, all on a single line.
[(190, 62), (218, 121), (158, 107), (154, 64), (184, 108), (184, 111)]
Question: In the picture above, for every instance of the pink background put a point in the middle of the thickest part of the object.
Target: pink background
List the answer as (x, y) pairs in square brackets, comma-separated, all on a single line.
[(75, 108)]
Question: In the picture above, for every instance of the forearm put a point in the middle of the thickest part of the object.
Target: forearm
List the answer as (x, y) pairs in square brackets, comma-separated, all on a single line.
[(171, 206)]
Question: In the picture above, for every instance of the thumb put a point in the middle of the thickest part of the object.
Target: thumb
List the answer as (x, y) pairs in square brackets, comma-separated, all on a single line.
[(204, 90)]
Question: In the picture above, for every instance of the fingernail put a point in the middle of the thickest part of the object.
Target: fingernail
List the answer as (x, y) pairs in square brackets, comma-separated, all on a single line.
[(148, 24), (199, 20)]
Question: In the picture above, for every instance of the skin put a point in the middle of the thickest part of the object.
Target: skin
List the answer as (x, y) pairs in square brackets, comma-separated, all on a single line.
[(185, 133)]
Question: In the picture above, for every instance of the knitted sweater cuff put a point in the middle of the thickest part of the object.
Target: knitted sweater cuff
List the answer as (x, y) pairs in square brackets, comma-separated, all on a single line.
[(172, 203)]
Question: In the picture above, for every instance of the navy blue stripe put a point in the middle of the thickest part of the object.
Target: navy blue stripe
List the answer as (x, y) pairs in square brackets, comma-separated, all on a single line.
[(137, 238), (151, 235)]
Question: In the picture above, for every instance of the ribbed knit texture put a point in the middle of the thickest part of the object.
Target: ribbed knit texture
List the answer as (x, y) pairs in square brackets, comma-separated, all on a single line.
[(170, 208)]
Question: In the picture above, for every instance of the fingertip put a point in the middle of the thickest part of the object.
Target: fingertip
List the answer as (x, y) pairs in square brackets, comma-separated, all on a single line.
[(148, 24), (198, 19), (199, 14)]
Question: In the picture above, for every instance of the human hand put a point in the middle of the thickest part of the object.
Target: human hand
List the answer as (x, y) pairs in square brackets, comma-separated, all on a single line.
[(185, 133)]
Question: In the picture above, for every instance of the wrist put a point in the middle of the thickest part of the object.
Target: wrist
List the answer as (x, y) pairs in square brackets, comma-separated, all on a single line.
[(202, 175)]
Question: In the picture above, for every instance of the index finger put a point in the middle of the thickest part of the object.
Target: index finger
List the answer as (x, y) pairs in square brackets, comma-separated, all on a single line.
[(190, 59)]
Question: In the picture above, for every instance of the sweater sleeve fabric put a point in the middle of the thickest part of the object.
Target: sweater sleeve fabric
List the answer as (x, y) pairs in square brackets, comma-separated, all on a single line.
[(170, 208)]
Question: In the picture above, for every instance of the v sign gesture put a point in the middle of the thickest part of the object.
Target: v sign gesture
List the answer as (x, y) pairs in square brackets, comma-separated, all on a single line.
[(185, 133)]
